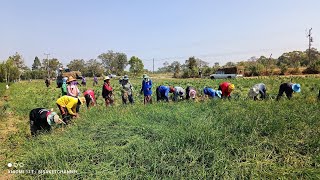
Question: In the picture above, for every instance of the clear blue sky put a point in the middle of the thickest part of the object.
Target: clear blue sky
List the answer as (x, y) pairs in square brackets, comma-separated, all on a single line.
[(215, 31)]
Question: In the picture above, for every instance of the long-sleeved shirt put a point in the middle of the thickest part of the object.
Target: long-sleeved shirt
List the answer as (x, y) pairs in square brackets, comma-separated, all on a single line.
[(69, 102), (91, 93), (64, 90), (164, 91), (73, 90), (39, 116), (178, 91), (127, 87), (106, 90), (262, 89), (224, 88), (210, 92), (285, 88), (146, 87)]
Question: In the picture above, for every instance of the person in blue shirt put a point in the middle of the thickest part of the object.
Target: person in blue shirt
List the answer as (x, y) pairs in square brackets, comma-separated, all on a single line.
[(146, 89), (256, 90), (163, 93), (212, 93)]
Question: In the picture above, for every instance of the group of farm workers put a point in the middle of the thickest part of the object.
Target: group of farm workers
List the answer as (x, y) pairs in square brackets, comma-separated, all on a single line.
[(70, 101)]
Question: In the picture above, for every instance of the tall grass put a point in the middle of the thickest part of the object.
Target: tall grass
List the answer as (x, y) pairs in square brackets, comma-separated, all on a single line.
[(237, 139)]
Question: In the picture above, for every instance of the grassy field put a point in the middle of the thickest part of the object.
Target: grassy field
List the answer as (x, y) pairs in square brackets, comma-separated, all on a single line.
[(208, 139)]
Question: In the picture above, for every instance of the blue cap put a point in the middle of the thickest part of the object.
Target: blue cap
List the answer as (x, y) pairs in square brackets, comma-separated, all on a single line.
[(296, 87)]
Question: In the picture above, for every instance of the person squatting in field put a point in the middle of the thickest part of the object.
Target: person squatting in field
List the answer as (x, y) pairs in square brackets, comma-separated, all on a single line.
[(42, 119), (211, 93), (191, 93), (288, 88), (226, 88), (146, 89), (163, 93), (107, 92), (47, 81), (256, 90), (126, 91), (90, 98), (67, 106), (178, 93), (73, 90)]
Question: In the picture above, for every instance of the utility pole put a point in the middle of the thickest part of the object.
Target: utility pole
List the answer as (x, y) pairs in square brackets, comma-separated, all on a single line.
[(268, 64), (47, 63), (153, 66), (310, 41)]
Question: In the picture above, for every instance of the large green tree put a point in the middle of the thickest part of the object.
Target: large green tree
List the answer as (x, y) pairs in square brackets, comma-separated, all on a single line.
[(9, 71), (77, 65), (114, 62), (51, 66), (136, 65), (36, 64), (18, 62), (191, 68), (94, 67)]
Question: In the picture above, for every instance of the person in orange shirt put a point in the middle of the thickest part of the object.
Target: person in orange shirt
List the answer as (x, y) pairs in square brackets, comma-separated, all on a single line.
[(226, 88)]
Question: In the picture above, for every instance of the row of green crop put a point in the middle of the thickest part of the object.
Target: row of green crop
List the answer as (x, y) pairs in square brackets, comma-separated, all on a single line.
[(215, 139)]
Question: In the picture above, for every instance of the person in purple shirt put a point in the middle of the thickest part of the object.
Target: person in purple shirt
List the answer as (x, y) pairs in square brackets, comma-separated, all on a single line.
[(163, 93), (95, 80), (146, 89), (84, 81)]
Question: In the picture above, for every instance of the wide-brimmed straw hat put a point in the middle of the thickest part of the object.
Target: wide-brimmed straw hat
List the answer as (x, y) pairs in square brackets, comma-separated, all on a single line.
[(106, 78), (296, 87), (54, 118), (70, 79)]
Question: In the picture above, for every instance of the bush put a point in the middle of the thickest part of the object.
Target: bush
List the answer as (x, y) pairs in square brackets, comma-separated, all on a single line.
[(312, 69)]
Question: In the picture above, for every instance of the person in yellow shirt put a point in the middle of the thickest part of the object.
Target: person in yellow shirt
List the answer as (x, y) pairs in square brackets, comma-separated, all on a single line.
[(67, 106)]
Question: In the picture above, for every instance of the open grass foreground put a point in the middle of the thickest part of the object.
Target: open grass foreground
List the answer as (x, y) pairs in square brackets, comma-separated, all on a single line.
[(237, 139)]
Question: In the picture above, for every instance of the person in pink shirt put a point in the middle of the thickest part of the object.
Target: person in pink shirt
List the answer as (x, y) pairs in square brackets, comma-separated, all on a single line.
[(73, 90), (90, 98)]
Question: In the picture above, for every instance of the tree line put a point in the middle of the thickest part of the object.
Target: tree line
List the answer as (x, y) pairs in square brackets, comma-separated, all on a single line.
[(14, 68), (295, 62), (110, 62)]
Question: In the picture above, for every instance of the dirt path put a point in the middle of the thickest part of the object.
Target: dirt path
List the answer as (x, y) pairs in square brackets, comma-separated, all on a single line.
[(8, 125)]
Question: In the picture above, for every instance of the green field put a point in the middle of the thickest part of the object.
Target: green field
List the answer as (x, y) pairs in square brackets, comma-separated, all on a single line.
[(236, 139)]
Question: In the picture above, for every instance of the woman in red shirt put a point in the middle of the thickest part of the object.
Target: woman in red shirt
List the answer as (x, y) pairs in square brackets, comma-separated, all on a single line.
[(226, 89)]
